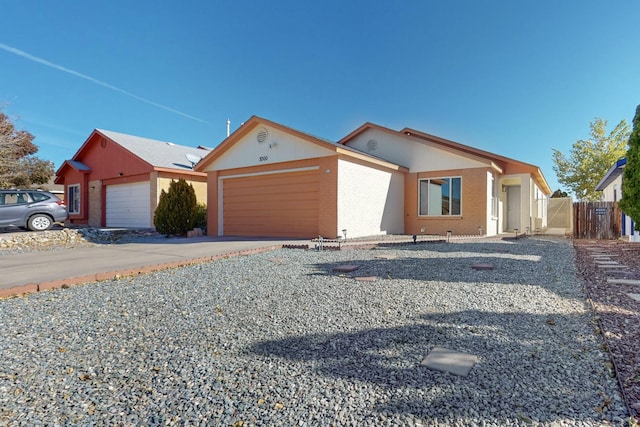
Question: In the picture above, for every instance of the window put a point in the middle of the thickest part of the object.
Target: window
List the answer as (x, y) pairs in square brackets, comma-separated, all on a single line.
[(494, 197), (440, 196), (39, 197), (73, 198), (15, 199)]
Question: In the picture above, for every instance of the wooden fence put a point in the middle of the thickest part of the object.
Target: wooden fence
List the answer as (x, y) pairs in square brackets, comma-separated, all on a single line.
[(596, 220)]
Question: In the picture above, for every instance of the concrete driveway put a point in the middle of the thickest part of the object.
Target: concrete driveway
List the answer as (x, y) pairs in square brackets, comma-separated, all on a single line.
[(37, 271)]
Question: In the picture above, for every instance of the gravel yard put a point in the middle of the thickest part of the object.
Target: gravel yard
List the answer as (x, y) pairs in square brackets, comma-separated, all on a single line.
[(278, 338)]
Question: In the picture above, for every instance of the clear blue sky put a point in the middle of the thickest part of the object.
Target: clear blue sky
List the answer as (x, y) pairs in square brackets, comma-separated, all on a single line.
[(516, 78)]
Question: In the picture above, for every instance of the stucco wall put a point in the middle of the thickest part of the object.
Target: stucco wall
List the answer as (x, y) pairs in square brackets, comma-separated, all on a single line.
[(276, 147), (370, 201), (608, 191), (200, 188), (416, 155)]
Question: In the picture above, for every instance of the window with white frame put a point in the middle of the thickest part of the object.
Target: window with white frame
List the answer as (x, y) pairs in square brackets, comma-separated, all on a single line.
[(494, 196), (73, 198), (440, 196)]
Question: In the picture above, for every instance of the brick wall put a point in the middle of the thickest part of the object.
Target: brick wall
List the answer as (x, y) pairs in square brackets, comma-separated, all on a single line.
[(473, 204)]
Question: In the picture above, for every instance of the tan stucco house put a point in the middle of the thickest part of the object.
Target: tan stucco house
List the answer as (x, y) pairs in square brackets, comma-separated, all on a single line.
[(267, 179)]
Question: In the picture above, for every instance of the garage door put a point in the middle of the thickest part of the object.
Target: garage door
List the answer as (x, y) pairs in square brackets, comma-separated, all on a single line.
[(277, 205), (128, 205)]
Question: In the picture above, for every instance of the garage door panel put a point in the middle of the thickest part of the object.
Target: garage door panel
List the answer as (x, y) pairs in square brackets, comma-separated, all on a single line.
[(128, 205), (250, 207), (270, 188), (279, 205)]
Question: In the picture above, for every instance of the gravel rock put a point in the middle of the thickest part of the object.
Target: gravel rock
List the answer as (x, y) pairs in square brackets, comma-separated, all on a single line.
[(279, 338), (30, 241), (617, 312)]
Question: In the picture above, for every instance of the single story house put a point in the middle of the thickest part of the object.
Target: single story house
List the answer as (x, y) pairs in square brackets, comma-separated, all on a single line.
[(611, 187), (267, 179), (115, 180)]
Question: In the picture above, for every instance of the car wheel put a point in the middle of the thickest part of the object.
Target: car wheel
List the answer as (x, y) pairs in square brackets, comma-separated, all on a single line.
[(39, 222)]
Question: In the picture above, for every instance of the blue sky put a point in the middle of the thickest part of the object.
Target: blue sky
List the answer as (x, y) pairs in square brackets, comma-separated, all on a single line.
[(516, 78)]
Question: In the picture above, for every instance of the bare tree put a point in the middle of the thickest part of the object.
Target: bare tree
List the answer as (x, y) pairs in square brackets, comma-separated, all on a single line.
[(18, 164)]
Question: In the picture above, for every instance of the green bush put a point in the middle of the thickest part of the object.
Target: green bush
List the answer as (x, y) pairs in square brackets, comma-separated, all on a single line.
[(176, 211), (200, 219)]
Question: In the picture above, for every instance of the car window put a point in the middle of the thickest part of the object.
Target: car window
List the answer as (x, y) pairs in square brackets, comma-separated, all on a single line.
[(20, 198), (38, 197)]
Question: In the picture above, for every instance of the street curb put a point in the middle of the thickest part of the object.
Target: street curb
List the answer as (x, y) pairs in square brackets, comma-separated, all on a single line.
[(118, 274)]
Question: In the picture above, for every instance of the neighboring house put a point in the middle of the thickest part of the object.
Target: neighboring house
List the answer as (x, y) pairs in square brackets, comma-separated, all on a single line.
[(611, 187), (115, 180), (266, 179)]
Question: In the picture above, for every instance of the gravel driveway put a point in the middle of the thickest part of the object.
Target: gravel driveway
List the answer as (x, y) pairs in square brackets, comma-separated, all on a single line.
[(278, 338)]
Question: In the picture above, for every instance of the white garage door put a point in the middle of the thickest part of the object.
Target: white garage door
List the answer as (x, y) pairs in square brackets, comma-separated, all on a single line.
[(128, 205)]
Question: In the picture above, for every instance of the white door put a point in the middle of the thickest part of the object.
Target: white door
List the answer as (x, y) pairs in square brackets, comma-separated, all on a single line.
[(513, 207), (128, 205)]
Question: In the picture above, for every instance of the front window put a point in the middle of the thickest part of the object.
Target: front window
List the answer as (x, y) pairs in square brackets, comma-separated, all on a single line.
[(440, 196), (73, 199), (494, 197)]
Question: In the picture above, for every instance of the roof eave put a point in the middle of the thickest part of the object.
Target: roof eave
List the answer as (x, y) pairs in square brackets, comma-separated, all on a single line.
[(180, 171), (613, 172)]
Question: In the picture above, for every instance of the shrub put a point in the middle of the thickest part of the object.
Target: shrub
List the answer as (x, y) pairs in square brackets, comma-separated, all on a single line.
[(176, 209), (200, 217)]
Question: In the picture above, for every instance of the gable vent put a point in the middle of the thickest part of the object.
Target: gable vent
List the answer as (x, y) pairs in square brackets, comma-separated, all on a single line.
[(262, 135), (372, 144)]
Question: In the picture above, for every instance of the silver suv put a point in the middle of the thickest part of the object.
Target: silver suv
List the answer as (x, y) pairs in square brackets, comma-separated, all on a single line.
[(32, 209)]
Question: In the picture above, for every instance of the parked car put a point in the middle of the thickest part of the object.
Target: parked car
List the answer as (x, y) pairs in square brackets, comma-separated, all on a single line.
[(33, 209)]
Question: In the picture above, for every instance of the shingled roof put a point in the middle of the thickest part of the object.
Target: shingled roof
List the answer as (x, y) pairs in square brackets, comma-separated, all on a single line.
[(160, 154)]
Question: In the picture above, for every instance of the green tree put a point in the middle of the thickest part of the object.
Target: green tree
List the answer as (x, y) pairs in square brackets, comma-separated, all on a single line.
[(19, 167), (559, 194), (177, 209), (590, 159), (630, 202)]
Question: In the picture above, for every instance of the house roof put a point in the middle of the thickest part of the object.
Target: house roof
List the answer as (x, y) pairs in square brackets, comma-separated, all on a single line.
[(159, 154), (614, 172), (78, 165), (515, 166), (74, 164), (254, 121)]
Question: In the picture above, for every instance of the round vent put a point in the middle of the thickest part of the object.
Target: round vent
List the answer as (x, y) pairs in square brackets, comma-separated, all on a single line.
[(372, 144), (262, 135)]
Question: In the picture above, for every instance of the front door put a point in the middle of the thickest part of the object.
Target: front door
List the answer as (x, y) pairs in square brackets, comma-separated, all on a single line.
[(513, 207)]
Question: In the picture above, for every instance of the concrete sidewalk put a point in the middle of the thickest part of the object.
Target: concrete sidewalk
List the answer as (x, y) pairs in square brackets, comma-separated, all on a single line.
[(38, 271)]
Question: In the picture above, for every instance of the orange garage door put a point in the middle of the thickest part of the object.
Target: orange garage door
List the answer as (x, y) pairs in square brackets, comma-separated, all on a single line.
[(278, 205)]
